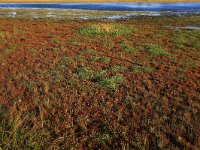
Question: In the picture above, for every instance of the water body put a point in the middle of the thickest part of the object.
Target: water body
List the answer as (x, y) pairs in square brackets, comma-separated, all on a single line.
[(159, 7), (184, 27), (95, 11)]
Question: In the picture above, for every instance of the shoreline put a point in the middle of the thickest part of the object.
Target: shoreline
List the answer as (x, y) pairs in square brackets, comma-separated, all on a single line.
[(76, 14)]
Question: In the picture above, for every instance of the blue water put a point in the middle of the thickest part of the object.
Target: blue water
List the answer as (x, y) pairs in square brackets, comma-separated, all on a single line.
[(174, 7)]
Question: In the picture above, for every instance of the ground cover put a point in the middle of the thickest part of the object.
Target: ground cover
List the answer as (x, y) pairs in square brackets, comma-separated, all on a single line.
[(122, 85)]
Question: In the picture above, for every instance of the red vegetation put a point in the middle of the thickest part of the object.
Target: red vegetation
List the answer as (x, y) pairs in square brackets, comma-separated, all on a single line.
[(154, 108)]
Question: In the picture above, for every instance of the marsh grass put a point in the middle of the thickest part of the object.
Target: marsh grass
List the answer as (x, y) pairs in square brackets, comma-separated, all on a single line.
[(54, 49), (7, 51), (55, 75), (13, 134), (100, 77), (65, 60), (117, 68), (85, 73), (80, 58), (103, 59), (74, 42), (89, 51), (191, 64), (34, 52), (126, 47), (55, 40), (129, 50), (104, 138), (160, 34), (103, 29), (29, 84), (112, 82), (4, 35), (108, 43), (156, 50), (186, 40), (89, 74), (17, 31)]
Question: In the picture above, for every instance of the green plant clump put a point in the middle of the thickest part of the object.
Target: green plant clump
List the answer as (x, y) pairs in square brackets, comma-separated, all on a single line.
[(100, 78), (127, 48), (104, 60), (186, 40), (117, 68), (85, 73), (156, 50), (7, 51), (112, 82), (89, 74), (99, 30), (140, 69)]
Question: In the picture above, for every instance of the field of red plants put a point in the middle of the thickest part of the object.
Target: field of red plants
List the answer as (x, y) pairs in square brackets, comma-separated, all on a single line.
[(99, 84)]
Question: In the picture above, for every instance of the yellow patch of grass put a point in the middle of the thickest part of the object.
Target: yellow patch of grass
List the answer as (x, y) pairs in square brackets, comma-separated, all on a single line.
[(106, 29)]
